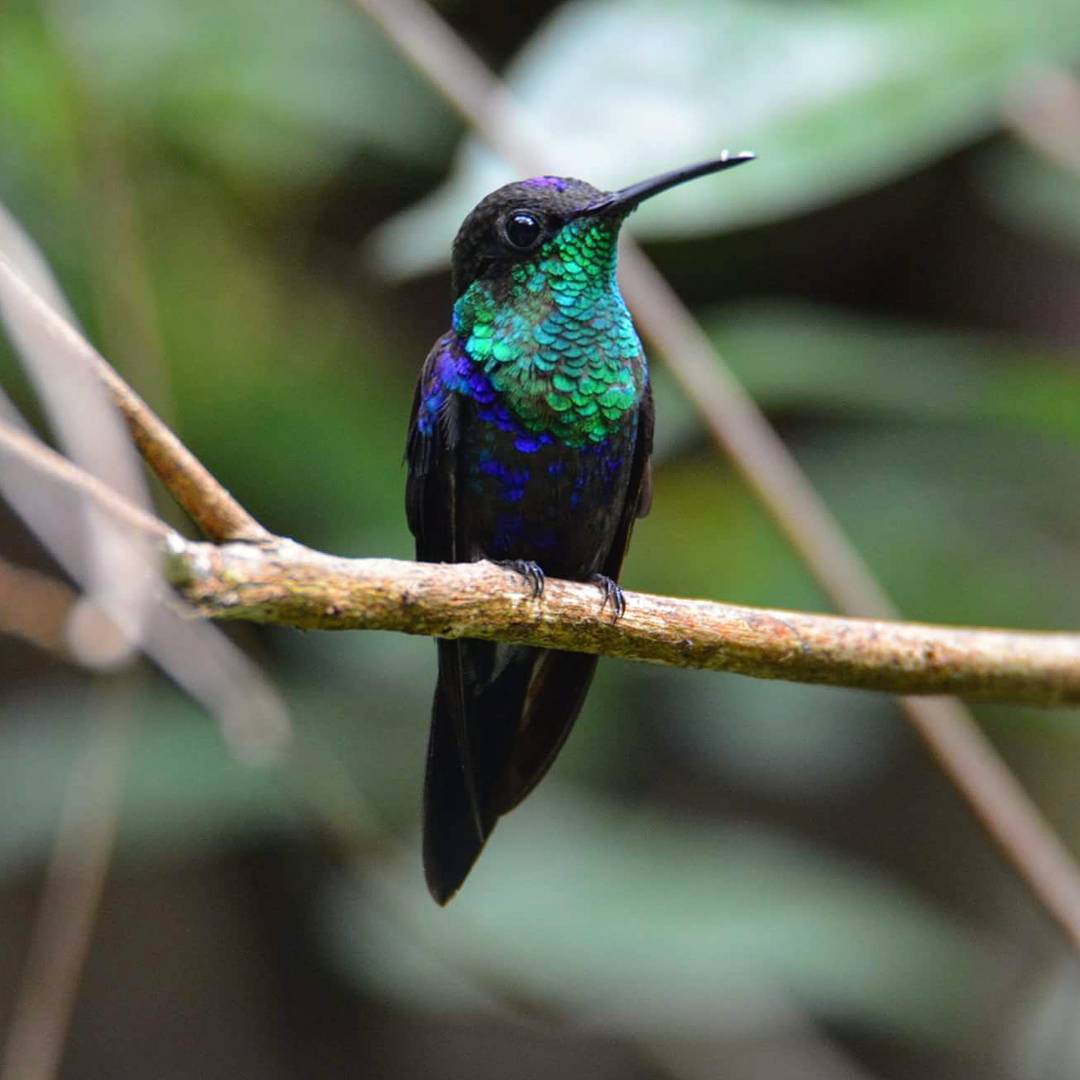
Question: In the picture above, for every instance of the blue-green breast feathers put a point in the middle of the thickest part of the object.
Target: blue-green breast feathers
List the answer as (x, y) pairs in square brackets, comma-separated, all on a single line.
[(554, 337)]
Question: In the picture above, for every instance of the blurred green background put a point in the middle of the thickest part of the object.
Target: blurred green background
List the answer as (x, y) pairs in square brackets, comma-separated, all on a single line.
[(250, 207)]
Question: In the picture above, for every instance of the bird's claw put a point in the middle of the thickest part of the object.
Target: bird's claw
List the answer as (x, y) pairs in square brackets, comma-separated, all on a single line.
[(612, 594), (530, 571)]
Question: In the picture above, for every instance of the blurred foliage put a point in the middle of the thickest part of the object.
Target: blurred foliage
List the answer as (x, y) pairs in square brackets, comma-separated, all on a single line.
[(1034, 193), (903, 297), (665, 922), (833, 97), (272, 91)]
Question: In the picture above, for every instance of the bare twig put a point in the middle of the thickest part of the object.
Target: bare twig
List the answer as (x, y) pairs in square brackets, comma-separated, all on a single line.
[(25, 448), (210, 506), (960, 748), (75, 880), (1043, 111), (90, 434)]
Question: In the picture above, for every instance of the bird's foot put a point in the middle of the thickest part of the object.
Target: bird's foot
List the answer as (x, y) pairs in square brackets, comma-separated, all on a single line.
[(611, 594), (530, 571)]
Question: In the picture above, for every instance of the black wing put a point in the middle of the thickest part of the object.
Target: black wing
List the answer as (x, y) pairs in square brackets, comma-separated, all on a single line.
[(430, 489), (561, 679), (453, 825)]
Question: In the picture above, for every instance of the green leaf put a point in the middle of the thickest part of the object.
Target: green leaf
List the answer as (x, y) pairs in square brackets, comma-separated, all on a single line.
[(833, 97)]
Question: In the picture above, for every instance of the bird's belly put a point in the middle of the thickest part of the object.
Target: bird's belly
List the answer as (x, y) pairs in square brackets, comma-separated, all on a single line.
[(556, 505)]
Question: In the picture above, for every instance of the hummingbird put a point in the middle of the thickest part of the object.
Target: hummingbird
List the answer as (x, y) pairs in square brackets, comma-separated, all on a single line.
[(529, 445)]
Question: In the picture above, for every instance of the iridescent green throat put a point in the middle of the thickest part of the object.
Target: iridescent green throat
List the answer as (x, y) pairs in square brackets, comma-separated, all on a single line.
[(555, 337)]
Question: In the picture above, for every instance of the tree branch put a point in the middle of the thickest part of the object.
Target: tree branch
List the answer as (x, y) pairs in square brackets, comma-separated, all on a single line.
[(280, 581), (289, 584)]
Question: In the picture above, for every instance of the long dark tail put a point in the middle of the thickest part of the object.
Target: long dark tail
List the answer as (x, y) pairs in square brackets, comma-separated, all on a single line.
[(500, 715), (479, 700)]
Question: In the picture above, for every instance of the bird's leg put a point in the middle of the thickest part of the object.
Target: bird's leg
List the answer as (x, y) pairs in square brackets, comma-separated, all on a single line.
[(530, 571), (611, 594)]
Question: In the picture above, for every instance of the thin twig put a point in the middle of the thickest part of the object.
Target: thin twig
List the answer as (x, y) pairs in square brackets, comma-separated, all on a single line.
[(209, 505), (88, 431), (49, 463), (959, 746), (1043, 111), (71, 898)]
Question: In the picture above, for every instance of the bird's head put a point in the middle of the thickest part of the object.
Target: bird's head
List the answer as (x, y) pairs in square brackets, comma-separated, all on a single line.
[(531, 220)]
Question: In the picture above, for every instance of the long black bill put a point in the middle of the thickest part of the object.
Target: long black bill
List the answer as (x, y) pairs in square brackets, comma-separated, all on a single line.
[(627, 198)]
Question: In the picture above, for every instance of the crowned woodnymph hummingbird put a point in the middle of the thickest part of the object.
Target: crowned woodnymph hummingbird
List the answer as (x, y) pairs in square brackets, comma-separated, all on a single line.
[(529, 445)]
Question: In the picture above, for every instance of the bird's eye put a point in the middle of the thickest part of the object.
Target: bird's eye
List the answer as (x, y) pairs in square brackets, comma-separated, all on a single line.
[(522, 230)]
